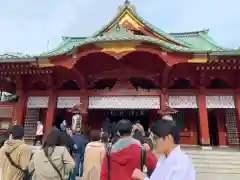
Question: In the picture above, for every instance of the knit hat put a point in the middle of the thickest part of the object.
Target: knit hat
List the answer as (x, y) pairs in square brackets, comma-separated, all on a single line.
[(17, 132)]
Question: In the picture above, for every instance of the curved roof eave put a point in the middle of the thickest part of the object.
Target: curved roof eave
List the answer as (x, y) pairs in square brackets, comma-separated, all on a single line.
[(210, 40), (16, 57), (65, 41), (231, 52), (205, 31), (102, 39), (202, 34)]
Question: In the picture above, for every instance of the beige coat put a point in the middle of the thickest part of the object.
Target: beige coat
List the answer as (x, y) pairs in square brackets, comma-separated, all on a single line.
[(44, 170), (20, 154), (93, 158)]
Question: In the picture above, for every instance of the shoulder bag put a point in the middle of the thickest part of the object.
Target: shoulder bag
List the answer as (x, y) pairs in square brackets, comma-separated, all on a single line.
[(55, 167), (27, 175)]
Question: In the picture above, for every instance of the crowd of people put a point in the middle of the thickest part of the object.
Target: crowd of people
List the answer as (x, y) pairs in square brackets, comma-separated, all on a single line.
[(123, 151)]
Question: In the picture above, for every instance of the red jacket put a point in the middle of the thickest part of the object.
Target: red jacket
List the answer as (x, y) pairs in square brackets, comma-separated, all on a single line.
[(124, 160)]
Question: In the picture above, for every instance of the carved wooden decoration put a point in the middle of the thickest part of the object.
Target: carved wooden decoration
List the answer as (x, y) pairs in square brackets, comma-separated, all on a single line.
[(181, 102), (37, 102), (81, 108), (123, 84), (67, 102), (220, 102), (124, 102)]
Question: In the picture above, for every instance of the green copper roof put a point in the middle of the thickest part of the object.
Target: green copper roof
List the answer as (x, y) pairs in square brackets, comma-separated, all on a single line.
[(128, 6), (13, 57), (67, 44), (121, 35), (199, 40)]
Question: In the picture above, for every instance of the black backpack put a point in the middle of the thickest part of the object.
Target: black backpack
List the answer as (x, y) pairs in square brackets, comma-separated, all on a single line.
[(27, 175)]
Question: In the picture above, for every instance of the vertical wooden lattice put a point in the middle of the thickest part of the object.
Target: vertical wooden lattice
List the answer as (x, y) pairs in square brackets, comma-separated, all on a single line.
[(30, 124), (179, 119), (232, 131)]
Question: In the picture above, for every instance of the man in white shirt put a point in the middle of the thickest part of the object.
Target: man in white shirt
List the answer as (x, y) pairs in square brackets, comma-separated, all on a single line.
[(175, 164), (39, 133), (63, 126)]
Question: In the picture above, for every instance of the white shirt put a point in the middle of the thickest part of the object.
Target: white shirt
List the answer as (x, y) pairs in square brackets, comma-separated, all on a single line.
[(177, 166), (39, 130)]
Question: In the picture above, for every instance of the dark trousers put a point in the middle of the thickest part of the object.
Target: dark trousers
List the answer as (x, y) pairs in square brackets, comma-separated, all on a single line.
[(38, 138), (78, 171)]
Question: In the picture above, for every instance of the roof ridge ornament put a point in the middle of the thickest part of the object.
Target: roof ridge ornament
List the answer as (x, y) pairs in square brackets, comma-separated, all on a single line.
[(127, 2), (118, 29), (127, 5)]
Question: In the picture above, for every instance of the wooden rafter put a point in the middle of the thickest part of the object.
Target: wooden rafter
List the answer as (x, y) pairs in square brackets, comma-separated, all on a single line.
[(122, 73)]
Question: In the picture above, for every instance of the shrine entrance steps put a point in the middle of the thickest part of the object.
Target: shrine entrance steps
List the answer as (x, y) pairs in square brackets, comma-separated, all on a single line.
[(218, 163)]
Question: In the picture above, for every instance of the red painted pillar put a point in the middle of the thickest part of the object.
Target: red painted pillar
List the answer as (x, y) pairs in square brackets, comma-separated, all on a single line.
[(163, 103), (164, 99), (51, 111), (203, 119), (20, 108), (84, 122), (84, 113)]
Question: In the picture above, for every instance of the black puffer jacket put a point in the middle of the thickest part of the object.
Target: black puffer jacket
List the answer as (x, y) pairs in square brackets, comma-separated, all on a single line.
[(3, 138)]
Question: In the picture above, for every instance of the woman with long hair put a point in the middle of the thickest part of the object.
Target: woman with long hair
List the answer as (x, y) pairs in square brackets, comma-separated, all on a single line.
[(138, 136), (52, 162), (104, 138)]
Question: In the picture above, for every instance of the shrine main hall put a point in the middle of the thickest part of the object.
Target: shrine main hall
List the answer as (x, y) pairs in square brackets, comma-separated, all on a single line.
[(128, 69)]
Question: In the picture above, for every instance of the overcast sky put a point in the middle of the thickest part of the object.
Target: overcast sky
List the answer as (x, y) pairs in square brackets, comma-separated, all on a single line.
[(27, 25)]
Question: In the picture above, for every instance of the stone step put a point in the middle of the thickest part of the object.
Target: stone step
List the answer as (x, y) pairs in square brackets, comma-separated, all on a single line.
[(218, 161), (217, 176), (222, 171), (215, 157), (217, 166), (222, 152)]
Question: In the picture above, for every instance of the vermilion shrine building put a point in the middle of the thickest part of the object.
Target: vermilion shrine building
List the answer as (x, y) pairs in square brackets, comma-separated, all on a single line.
[(129, 68)]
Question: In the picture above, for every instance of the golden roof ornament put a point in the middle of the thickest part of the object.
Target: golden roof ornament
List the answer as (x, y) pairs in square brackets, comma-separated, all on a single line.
[(127, 4)]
